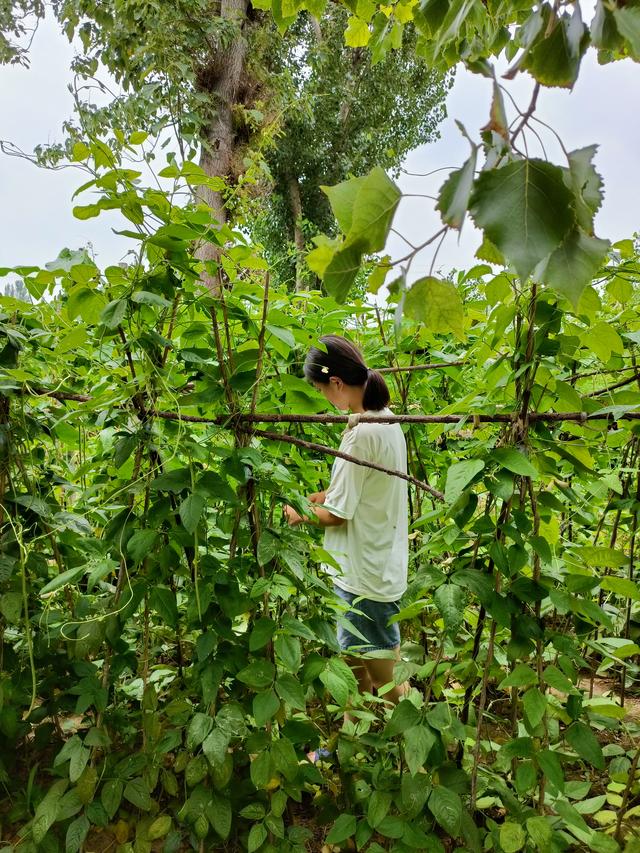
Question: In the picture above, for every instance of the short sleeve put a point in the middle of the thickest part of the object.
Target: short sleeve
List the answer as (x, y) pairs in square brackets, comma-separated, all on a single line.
[(347, 478)]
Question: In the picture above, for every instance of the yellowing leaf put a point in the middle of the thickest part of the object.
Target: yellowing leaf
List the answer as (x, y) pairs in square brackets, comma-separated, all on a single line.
[(357, 33)]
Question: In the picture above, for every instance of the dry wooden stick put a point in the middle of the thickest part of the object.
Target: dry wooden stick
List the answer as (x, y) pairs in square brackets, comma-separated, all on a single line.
[(228, 421), (321, 448)]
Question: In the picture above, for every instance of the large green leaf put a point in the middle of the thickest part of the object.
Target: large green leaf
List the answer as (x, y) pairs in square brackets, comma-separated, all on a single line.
[(574, 264), (525, 209), (514, 461), (449, 599), (259, 674), (191, 510), (418, 741), (437, 304), (585, 743), (446, 807), (342, 270), (342, 199), (343, 828), (554, 56), (628, 22), (364, 208), (459, 475)]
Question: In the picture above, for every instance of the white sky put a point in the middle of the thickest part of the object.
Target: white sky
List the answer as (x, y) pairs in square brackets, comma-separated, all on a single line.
[(36, 220)]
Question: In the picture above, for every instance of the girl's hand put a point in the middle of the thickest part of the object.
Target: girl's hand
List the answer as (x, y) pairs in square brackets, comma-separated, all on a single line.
[(317, 497), (293, 517)]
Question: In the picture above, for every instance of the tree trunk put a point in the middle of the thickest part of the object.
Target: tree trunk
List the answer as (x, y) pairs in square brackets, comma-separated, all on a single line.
[(298, 237), (221, 79)]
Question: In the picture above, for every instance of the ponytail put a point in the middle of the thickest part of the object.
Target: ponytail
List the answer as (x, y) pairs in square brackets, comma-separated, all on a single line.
[(344, 359), (376, 394)]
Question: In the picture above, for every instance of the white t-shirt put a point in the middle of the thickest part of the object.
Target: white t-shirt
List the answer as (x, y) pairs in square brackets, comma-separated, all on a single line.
[(371, 547)]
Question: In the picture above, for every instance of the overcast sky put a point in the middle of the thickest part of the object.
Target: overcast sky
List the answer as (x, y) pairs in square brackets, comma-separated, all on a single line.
[(35, 215)]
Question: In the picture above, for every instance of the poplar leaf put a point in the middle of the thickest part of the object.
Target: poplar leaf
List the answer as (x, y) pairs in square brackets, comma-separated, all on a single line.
[(453, 199), (357, 33), (525, 209), (437, 304), (574, 264)]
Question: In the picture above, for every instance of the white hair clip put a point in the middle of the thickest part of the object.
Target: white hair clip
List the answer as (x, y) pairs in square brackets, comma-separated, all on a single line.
[(324, 370)]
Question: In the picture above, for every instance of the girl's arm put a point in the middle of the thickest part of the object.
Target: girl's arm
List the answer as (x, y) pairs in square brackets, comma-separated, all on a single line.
[(321, 516)]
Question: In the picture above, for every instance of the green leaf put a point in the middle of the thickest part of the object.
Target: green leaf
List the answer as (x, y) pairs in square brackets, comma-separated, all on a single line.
[(557, 679), (535, 705), (512, 837), (257, 836), (521, 676), (357, 33), (199, 728), (621, 586), (446, 807), (585, 743), (603, 340), (63, 579), (549, 762), (525, 209), (172, 481), (459, 475), (437, 304), (284, 758), (574, 264), (404, 716), (191, 510), (141, 544), (47, 810), (343, 828), (342, 270), (539, 830), (85, 303), (449, 598), (215, 747), (599, 556), (114, 313), (220, 815), (144, 297), (265, 707), (263, 631), (111, 796), (378, 807), (258, 675), (76, 834), (586, 184), (453, 199), (374, 207), (260, 770), (289, 651), (628, 22), (514, 461), (418, 741), (290, 690), (342, 198), (163, 601), (137, 792), (555, 55)]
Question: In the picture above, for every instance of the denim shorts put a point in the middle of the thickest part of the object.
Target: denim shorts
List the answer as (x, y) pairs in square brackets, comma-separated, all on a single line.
[(370, 618)]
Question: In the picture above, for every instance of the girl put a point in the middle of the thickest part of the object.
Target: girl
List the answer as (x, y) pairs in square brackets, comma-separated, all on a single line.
[(364, 513)]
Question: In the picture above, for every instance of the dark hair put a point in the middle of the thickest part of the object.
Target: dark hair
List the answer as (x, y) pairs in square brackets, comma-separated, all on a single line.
[(343, 359)]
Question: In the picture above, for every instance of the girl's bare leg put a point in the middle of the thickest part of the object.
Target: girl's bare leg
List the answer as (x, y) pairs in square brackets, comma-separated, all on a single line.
[(380, 671)]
